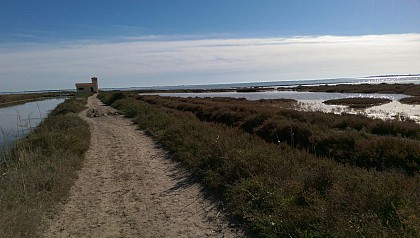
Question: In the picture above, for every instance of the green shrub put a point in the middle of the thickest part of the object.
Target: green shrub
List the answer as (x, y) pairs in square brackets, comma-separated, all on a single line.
[(110, 98)]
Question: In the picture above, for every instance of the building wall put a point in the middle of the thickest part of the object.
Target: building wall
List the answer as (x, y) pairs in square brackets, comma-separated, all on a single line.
[(87, 89)]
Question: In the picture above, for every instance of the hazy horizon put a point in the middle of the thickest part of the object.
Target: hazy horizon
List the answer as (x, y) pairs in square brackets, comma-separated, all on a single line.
[(393, 78)]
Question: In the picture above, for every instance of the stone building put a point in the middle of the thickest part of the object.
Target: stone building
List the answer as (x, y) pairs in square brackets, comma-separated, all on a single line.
[(88, 87)]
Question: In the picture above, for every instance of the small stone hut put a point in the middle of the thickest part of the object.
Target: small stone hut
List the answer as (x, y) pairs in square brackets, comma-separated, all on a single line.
[(88, 87)]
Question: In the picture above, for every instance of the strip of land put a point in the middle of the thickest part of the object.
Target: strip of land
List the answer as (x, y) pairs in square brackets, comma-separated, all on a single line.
[(408, 89), (411, 100), (358, 102), (37, 171), (13, 99), (128, 188)]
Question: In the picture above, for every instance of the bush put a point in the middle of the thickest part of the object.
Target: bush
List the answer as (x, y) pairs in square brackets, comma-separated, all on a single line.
[(110, 98)]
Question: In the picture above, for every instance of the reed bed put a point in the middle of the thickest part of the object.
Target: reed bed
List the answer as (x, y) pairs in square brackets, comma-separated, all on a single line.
[(277, 188)]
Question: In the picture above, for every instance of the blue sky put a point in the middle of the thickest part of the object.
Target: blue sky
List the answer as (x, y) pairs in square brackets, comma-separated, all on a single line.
[(50, 44)]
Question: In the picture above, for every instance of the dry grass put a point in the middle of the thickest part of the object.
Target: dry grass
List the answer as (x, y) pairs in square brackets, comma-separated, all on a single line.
[(40, 170)]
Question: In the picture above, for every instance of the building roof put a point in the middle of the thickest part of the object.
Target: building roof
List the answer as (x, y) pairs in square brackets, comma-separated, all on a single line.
[(86, 84)]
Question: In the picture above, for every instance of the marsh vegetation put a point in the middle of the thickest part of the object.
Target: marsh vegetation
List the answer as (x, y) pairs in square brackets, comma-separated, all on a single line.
[(358, 102), (313, 101), (407, 89), (37, 172), (284, 172), (411, 100)]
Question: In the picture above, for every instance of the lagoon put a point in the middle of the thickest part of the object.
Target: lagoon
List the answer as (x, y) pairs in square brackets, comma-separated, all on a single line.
[(18, 120), (313, 101)]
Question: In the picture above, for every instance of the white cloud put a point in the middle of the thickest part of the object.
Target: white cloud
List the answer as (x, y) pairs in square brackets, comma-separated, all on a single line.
[(146, 61)]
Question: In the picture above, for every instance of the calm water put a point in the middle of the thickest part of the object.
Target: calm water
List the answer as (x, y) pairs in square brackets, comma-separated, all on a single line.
[(313, 101), (415, 79), (300, 96), (16, 121)]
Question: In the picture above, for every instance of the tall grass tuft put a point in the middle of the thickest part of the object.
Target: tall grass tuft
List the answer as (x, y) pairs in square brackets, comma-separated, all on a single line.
[(40, 170)]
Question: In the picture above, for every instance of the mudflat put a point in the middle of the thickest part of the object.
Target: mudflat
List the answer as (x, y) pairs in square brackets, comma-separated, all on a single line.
[(129, 188)]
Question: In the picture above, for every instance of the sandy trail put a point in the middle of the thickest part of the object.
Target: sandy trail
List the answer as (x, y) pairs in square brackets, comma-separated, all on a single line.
[(127, 188)]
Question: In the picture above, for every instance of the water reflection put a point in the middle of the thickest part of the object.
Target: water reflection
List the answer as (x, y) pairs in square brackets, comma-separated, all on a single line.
[(16, 121), (300, 96), (312, 101)]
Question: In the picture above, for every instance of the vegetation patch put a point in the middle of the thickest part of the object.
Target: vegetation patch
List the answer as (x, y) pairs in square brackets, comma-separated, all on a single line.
[(411, 100), (358, 102), (253, 89), (185, 90), (278, 189), (39, 170)]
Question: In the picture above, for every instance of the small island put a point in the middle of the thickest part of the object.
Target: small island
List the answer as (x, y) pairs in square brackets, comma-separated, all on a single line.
[(411, 100), (358, 102)]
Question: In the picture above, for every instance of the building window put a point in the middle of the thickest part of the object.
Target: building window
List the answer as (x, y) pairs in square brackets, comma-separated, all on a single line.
[(80, 89)]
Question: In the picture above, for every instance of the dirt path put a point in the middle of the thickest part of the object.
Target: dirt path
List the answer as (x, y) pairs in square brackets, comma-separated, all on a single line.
[(127, 188)]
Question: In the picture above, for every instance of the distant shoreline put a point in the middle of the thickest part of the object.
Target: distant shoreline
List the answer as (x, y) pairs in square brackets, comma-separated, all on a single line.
[(406, 78), (287, 83)]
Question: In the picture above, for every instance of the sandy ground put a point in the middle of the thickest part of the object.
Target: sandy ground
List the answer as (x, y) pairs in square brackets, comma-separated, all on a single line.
[(128, 188)]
